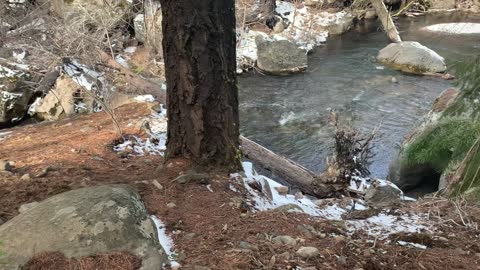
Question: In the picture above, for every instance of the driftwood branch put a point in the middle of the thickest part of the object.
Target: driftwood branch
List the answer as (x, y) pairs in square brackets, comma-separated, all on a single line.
[(287, 169), (386, 20)]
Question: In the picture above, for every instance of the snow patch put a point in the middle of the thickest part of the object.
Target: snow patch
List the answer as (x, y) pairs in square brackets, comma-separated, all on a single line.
[(403, 243), (165, 241), (145, 98), (379, 226), (155, 144)]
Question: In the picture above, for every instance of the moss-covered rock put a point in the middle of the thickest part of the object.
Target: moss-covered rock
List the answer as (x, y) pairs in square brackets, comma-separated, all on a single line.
[(446, 144)]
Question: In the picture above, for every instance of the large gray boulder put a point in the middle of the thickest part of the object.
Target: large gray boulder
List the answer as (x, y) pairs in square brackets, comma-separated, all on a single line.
[(280, 57), (412, 57), (83, 222)]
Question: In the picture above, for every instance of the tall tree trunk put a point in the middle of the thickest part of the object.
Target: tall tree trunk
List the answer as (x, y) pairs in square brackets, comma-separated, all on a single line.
[(202, 98)]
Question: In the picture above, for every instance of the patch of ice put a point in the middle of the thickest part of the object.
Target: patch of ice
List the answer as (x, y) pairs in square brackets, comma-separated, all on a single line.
[(121, 60), (165, 241), (4, 135), (145, 98), (83, 75), (154, 145), (379, 226), (261, 201), (383, 224), (6, 72), (130, 50), (403, 243), (19, 56)]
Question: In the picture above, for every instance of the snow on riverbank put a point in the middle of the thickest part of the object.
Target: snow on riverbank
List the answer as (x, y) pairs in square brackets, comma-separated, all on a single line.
[(305, 26), (381, 225)]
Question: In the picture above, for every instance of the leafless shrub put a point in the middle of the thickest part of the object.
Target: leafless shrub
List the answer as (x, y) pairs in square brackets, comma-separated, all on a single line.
[(353, 151)]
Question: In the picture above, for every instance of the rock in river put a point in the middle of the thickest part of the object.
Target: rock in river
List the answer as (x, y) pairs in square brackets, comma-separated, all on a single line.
[(412, 57), (280, 57), (83, 222)]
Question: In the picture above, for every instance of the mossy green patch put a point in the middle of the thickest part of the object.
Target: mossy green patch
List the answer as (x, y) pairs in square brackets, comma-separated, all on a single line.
[(449, 140)]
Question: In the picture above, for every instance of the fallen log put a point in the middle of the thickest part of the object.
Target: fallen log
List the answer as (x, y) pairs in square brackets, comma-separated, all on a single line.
[(287, 169), (386, 20)]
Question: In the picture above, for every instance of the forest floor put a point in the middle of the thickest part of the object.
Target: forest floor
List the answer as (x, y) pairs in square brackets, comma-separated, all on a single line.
[(211, 223)]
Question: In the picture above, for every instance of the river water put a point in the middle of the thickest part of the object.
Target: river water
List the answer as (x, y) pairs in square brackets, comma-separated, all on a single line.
[(289, 115)]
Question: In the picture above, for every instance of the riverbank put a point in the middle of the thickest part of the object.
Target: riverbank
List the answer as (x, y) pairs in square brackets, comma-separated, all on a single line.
[(220, 223)]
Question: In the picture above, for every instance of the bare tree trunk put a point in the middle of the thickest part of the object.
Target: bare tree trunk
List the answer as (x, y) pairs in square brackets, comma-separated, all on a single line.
[(386, 20), (202, 99)]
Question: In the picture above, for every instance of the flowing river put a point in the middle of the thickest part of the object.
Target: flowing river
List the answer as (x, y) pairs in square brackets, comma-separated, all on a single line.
[(289, 115)]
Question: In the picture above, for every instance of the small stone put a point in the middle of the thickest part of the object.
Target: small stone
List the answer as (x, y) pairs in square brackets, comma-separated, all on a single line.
[(5, 165), (367, 253), (25, 177), (25, 207), (245, 245), (340, 238), (441, 238), (394, 80), (157, 185), (189, 236), (284, 239), (44, 172), (284, 256), (282, 190), (342, 260), (171, 205), (191, 176), (308, 252), (299, 195)]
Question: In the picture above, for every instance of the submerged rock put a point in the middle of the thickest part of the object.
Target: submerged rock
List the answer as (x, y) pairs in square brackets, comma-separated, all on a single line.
[(412, 57), (83, 222), (280, 57)]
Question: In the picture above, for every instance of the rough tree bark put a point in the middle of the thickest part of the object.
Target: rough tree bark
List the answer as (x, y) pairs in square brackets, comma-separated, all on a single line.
[(202, 99)]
